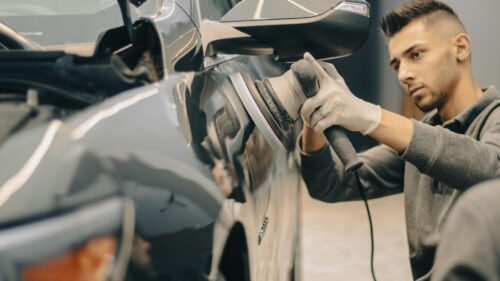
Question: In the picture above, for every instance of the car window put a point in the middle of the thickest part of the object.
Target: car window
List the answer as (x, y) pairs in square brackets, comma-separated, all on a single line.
[(61, 24), (216, 9), (53, 7)]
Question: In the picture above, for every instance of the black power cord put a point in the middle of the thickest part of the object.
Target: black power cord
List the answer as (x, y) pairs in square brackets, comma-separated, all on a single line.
[(372, 239)]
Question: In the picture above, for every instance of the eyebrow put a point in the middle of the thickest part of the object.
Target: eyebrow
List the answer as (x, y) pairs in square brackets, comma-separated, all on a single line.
[(394, 60)]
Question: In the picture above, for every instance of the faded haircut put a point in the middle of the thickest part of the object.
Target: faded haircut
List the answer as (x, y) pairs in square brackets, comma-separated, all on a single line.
[(431, 10)]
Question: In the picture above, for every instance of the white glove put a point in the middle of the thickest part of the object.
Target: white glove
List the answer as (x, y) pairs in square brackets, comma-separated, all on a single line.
[(334, 104)]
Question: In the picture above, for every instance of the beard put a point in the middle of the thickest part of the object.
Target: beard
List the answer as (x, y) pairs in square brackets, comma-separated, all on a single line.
[(444, 82), (438, 99)]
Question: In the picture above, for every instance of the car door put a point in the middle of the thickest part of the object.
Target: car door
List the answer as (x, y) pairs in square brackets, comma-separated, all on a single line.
[(267, 182)]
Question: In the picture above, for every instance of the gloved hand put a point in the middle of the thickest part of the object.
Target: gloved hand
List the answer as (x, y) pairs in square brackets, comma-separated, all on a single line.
[(334, 104)]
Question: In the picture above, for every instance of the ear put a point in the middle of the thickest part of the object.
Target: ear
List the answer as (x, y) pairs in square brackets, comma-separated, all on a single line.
[(462, 47)]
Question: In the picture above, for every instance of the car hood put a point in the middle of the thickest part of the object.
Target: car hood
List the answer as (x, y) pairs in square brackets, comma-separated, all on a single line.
[(134, 137)]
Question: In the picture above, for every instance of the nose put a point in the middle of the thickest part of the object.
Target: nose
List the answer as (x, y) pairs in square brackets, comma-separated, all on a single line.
[(405, 75)]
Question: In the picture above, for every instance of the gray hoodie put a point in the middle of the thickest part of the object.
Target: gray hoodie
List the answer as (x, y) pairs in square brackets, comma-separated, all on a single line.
[(470, 248), (441, 161)]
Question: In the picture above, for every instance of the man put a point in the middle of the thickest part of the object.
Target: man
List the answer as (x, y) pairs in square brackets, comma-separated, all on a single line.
[(456, 145), (474, 225)]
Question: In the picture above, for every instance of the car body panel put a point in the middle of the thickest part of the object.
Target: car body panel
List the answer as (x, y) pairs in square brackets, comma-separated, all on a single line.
[(149, 144)]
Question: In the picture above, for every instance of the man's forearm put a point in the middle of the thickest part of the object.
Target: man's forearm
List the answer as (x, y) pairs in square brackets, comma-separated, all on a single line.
[(312, 141), (394, 130)]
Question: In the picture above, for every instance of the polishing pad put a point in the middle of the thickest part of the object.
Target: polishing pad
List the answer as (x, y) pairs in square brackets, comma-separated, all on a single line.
[(264, 113)]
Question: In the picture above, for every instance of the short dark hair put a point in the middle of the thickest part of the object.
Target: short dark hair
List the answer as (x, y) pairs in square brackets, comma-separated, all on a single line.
[(399, 17)]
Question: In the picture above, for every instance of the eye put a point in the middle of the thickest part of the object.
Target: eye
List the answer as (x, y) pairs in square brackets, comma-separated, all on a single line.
[(415, 55), (395, 67)]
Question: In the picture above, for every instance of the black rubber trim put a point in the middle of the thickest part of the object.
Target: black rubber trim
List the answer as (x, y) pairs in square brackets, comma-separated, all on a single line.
[(273, 104)]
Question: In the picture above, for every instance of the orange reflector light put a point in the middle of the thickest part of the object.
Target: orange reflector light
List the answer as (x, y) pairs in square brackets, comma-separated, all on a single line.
[(91, 262)]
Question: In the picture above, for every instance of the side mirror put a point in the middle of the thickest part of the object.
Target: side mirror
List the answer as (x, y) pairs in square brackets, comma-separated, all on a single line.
[(326, 29)]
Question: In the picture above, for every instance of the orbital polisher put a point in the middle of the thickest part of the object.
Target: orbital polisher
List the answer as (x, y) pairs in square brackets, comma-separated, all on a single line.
[(274, 104)]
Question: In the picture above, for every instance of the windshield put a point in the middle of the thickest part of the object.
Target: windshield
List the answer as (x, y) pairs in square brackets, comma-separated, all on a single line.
[(53, 7), (70, 25)]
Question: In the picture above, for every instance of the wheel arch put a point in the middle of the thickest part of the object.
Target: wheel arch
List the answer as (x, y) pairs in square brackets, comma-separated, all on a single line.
[(234, 263)]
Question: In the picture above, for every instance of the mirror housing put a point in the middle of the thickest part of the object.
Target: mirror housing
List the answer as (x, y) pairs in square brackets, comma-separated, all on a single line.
[(339, 31)]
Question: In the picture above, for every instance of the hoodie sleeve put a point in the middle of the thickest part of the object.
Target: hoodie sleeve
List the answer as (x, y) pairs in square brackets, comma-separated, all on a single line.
[(381, 174), (456, 160)]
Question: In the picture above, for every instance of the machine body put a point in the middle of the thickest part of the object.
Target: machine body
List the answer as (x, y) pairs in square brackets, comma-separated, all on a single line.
[(275, 103)]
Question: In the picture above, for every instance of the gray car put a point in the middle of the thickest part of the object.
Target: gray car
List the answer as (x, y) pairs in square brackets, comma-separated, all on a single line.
[(126, 152)]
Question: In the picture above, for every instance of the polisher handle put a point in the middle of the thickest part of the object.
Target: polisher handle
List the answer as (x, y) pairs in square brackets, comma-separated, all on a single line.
[(338, 140), (341, 144)]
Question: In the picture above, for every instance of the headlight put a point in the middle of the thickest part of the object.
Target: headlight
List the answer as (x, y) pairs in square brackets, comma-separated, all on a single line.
[(91, 243)]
